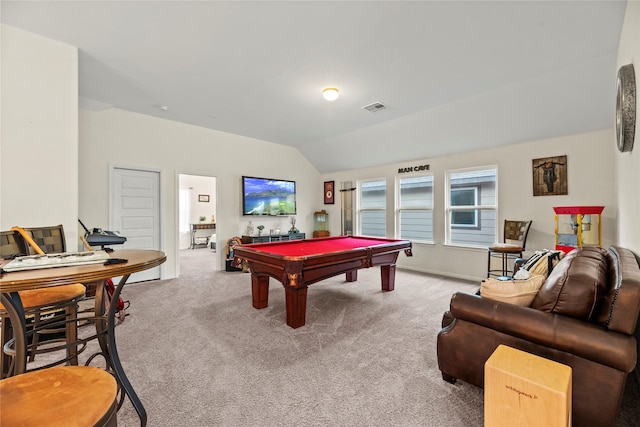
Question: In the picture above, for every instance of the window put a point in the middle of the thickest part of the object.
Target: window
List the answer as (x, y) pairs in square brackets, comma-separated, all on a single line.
[(373, 203), (471, 207), (464, 197), (415, 208)]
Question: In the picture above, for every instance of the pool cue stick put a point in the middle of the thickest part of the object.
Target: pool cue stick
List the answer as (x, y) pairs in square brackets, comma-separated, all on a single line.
[(28, 238)]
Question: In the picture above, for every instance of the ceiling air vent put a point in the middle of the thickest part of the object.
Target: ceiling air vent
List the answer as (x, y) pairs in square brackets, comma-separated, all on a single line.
[(376, 106)]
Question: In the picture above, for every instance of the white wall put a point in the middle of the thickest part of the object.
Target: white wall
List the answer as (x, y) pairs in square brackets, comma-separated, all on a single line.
[(200, 185), (135, 140), (39, 133), (590, 171), (627, 165)]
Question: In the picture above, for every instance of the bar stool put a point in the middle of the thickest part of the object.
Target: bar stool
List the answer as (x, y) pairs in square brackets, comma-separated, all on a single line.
[(51, 311), (62, 396), (512, 247), (61, 303)]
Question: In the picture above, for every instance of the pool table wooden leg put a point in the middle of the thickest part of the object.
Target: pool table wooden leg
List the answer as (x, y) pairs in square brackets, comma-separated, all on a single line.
[(296, 301), (352, 275), (260, 291), (388, 273)]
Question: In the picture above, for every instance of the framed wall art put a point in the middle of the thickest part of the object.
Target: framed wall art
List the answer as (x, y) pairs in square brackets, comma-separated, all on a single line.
[(203, 198), (550, 176), (328, 192)]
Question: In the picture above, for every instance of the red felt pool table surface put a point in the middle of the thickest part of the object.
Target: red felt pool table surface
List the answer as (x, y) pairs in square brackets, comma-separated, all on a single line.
[(324, 245), (299, 263)]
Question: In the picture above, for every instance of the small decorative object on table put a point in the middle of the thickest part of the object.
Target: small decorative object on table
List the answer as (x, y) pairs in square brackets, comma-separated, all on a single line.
[(293, 228), (250, 229), (260, 228), (203, 218)]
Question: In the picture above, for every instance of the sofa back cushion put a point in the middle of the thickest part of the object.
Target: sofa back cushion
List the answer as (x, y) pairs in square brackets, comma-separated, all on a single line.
[(576, 286), (621, 303)]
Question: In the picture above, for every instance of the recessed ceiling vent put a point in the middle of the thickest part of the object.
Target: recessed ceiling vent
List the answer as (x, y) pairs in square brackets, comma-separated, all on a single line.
[(376, 106)]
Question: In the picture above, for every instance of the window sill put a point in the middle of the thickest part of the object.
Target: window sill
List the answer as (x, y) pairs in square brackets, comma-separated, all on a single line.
[(466, 247)]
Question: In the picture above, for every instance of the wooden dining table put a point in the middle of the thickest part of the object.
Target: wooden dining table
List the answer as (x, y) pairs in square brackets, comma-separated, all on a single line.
[(13, 282)]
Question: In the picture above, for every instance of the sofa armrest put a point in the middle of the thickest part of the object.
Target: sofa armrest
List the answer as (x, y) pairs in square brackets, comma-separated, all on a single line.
[(583, 339)]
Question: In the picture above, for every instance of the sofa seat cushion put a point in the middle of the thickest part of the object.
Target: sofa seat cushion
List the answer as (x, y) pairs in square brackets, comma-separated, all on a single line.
[(576, 286), (518, 292)]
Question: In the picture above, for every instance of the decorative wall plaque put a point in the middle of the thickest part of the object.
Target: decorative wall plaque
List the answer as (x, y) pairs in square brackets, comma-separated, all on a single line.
[(626, 108), (328, 192), (550, 176)]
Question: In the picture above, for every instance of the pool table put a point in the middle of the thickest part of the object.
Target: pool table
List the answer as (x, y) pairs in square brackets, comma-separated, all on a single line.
[(299, 263)]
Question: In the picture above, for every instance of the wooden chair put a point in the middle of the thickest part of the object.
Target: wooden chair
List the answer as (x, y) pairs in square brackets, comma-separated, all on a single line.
[(512, 247), (49, 239), (51, 312), (62, 396)]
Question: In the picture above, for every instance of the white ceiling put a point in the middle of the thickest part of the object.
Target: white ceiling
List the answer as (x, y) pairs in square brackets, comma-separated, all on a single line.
[(454, 75)]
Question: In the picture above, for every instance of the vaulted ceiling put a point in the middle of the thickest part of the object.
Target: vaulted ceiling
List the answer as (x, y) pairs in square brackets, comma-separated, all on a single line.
[(453, 75)]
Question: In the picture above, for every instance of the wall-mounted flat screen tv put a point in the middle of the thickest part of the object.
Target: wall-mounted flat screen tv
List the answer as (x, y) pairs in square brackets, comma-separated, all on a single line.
[(263, 196)]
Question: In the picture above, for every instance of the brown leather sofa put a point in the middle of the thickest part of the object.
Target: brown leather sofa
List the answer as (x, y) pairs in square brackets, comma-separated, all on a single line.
[(585, 315)]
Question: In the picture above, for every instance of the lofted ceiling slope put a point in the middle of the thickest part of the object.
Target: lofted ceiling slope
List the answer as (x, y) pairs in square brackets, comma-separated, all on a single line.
[(454, 75)]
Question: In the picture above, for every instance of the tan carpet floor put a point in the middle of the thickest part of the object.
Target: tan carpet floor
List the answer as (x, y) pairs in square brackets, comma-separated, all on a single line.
[(198, 354)]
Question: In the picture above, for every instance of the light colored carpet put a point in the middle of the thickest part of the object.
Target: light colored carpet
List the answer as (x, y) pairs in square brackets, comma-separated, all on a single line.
[(199, 354)]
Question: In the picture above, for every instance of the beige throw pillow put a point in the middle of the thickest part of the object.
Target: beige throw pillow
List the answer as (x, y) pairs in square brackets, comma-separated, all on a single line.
[(518, 292)]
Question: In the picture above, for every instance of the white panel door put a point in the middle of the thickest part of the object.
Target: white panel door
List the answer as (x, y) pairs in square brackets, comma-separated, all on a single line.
[(135, 212)]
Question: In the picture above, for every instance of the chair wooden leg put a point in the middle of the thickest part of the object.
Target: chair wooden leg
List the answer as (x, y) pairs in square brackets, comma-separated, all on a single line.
[(35, 336), (6, 333), (72, 333), (505, 264)]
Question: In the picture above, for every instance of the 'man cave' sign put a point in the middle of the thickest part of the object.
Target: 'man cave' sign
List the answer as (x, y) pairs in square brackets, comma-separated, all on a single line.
[(419, 168)]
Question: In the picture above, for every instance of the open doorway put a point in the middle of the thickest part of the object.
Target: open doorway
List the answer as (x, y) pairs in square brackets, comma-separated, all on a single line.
[(197, 217)]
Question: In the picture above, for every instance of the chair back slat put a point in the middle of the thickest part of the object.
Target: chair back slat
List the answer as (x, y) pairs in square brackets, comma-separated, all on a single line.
[(516, 232), (11, 244), (49, 239)]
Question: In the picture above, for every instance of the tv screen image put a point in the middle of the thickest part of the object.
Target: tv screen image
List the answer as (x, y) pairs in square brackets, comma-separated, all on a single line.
[(264, 196)]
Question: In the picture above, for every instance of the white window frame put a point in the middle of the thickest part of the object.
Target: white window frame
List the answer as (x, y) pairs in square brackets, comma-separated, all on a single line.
[(360, 187), (399, 210), (475, 198), (478, 207)]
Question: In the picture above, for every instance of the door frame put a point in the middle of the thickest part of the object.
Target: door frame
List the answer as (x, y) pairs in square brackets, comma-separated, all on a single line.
[(176, 226), (112, 168)]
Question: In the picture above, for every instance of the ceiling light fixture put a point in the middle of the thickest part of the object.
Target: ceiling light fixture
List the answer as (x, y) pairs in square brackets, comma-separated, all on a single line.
[(330, 94)]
